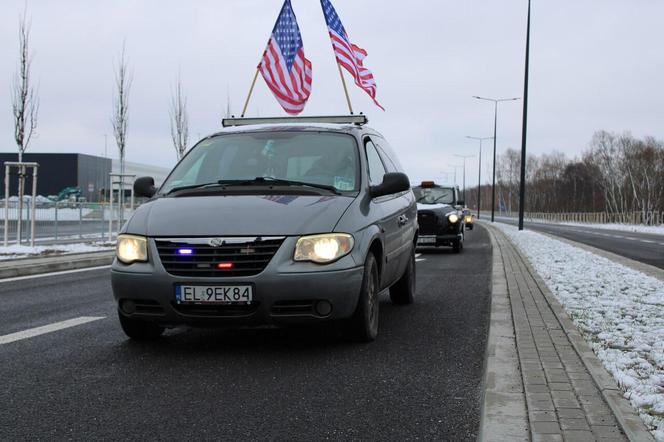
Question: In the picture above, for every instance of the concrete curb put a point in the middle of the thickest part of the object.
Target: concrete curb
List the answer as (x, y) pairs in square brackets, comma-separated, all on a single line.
[(627, 417), (34, 266), (503, 411)]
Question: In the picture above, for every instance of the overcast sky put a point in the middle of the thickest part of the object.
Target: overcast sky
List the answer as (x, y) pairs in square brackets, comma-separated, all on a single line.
[(595, 64)]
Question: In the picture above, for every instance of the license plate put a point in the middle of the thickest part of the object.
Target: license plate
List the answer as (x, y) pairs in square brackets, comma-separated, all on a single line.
[(214, 294), (426, 240)]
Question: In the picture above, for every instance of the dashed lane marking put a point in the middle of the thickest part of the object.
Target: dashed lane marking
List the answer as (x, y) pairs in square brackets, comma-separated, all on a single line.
[(50, 328)]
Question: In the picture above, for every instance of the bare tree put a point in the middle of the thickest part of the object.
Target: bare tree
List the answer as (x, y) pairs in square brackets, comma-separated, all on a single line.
[(25, 103), (179, 120), (120, 117)]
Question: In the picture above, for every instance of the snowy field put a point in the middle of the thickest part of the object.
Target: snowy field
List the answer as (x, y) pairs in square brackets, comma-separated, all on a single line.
[(16, 251), (619, 311)]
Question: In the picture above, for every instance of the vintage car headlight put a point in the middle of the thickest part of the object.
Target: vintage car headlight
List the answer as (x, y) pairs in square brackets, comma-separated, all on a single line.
[(323, 249), (131, 248), (453, 217)]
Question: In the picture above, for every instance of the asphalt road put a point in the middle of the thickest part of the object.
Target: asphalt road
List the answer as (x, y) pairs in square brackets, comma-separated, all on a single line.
[(642, 247), (421, 379)]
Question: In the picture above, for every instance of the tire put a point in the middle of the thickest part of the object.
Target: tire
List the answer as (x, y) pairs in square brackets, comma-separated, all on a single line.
[(140, 330), (458, 245), (363, 325), (403, 291)]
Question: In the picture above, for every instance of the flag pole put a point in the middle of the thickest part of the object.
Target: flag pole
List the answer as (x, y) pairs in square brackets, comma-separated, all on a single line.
[(251, 90), (343, 81)]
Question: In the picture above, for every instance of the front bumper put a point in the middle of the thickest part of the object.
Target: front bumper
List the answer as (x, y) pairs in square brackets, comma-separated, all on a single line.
[(284, 292), (447, 239)]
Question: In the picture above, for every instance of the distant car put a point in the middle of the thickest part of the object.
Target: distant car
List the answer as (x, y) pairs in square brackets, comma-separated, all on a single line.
[(270, 224), (439, 216), (468, 218)]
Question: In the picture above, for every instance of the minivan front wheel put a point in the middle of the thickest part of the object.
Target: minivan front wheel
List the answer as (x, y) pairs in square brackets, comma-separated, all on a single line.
[(140, 330), (363, 325)]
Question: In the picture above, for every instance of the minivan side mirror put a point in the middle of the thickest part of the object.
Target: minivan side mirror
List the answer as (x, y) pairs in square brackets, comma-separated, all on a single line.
[(144, 187), (393, 182)]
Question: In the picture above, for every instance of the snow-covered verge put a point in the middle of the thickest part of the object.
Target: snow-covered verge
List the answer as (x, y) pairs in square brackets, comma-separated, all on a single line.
[(619, 311), (637, 228), (17, 251)]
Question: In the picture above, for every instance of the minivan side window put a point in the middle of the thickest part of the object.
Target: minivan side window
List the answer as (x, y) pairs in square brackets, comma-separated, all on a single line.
[(376, 168), (388, 155)]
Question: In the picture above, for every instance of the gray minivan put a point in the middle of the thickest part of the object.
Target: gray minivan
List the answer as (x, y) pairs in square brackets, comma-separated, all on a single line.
[(287, 222)]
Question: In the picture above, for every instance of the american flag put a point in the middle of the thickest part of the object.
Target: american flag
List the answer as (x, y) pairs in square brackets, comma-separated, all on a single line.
[(284, 67), (348, 55)]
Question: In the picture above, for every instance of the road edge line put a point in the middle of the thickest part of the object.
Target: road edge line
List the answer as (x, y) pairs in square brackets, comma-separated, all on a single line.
[(503, 411), (54, 266), (628, 418)]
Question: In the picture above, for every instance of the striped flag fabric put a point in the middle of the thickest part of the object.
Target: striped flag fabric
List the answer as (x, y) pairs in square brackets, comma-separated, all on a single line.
[(284, 67), (349, 55)]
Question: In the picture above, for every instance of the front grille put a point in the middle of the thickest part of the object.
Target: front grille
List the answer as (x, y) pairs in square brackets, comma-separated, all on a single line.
[(428, 222), (249, 256)]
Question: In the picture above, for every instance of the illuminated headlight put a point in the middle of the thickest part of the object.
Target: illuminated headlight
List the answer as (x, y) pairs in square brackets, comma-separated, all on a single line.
[(323, 249), (469, 219), (131, 249), (453, 218)]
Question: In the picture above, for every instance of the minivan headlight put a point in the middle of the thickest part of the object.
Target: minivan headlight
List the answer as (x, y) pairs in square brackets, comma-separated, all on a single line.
[(131, 248), (323, 249), (453, 218)]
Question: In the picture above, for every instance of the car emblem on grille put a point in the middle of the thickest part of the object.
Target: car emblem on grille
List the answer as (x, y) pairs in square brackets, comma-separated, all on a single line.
[(216, 242)]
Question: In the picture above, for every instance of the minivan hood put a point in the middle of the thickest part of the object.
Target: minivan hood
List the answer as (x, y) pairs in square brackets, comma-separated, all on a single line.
[(238, 215)]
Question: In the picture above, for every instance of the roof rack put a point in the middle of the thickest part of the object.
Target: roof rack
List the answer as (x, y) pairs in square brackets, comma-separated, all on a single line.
[(332, 119)]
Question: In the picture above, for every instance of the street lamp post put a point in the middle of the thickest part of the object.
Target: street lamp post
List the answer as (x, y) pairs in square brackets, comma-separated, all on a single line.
[(495, 127), (479, 174), (464, 175), (522, 186)]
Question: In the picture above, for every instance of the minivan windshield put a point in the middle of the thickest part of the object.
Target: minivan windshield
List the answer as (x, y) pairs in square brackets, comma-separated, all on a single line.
[(317, 158), (434, 195)]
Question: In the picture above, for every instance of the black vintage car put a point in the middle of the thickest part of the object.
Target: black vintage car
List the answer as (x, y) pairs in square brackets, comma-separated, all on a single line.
[(439, 216)]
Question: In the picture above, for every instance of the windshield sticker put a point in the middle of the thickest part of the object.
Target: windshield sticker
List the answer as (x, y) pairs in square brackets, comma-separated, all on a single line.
[(343, 183), (206, 143)]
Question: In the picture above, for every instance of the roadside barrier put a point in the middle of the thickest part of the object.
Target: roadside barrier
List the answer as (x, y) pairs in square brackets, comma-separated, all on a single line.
[(653, 218)]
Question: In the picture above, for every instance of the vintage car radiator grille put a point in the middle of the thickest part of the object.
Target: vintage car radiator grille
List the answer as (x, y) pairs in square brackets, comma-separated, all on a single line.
[(198, 258), (428, 222)]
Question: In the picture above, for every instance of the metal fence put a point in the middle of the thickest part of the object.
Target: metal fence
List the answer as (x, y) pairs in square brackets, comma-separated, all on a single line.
[(653, 218), (62, 222)]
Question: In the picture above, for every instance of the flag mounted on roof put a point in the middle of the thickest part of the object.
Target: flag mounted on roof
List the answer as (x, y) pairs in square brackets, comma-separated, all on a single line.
[(284, 67), (349, 55)]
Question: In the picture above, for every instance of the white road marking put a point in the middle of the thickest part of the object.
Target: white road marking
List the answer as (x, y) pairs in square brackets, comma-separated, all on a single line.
[(648, 241), (421, 259), (417, 255), (32, 332), (44, 275)]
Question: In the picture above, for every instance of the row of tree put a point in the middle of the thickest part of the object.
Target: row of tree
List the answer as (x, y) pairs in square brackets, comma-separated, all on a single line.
[(617, 174), (25, 102)]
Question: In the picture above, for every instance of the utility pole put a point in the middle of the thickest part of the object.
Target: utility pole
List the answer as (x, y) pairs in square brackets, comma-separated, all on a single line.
[(464, 174), (524, 133), (495, 128), (479, 174)]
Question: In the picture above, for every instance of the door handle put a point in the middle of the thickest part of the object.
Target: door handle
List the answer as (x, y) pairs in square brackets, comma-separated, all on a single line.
[(402, 220)]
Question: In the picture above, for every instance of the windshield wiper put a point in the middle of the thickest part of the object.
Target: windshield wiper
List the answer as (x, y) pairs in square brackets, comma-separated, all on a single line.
[(278, 181), (193, 186)]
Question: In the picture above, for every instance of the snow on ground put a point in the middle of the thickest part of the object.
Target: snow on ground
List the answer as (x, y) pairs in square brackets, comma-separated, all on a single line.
[(19, 251), (637, 228), (619, 311)]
